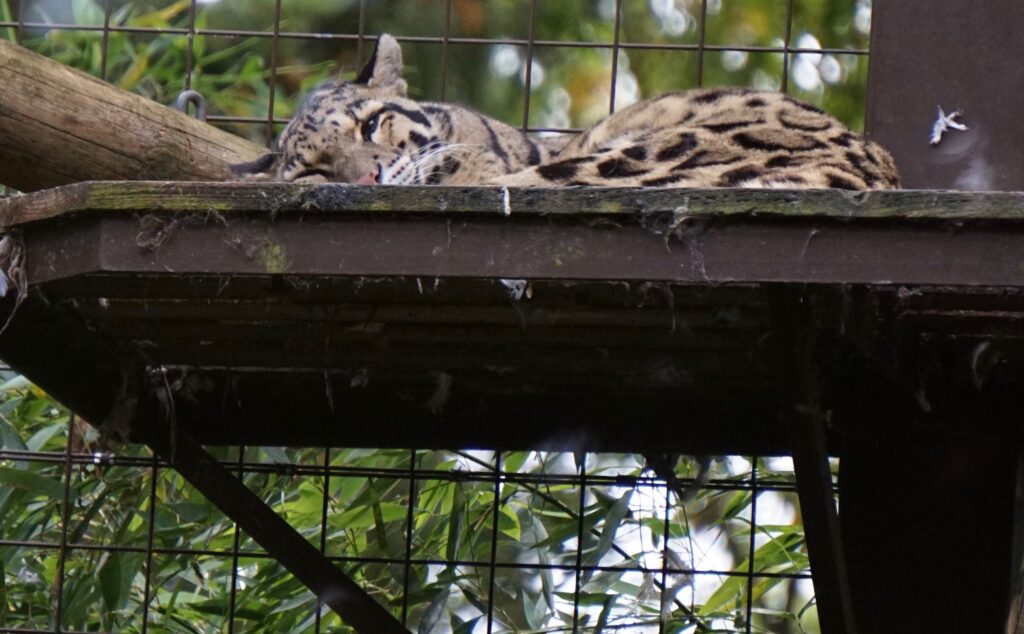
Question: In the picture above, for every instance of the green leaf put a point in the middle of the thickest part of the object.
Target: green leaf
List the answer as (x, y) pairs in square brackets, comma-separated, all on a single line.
[(606, 611), (508, 523), (613, 519), (41, 437), (32, 482), (86, 12), (737, 502), (17, 383), (775, 555), (116, 573), (515, 460), (434, 611), (9, 436), (466, 627), (378, 516), (455, 522)]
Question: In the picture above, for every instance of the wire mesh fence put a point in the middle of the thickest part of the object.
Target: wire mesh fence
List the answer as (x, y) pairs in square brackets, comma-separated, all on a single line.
[(473, 541), (580, 59), (450, 541)]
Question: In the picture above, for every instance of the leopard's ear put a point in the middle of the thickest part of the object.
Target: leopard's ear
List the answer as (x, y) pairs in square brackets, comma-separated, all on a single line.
[(262, 169), (384, 70)]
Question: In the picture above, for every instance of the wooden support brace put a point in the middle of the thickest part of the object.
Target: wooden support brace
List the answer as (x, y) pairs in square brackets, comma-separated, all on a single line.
[(107, 387), (332, 586), (794, 327), (59, 126)]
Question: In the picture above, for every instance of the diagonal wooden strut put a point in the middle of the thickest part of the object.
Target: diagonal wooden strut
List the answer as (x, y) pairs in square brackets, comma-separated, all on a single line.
[(106, 386), (332, 586), (795, 327)]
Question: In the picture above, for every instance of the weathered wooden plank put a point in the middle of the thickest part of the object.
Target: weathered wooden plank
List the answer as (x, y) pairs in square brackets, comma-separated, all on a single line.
[(745, 250), (59, 125), (560, 297), (528, 317), (665, 209), (323, 408)]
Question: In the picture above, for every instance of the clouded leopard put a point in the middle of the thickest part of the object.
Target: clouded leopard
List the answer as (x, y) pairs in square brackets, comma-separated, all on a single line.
[(368, 131)]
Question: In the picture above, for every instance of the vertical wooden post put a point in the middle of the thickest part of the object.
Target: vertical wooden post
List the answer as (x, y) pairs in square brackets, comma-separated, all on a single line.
[(927, 523), (796, 326)]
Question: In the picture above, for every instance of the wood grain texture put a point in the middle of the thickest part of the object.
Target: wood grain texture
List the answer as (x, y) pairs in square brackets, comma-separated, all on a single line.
[(59, 125), (670, 205)]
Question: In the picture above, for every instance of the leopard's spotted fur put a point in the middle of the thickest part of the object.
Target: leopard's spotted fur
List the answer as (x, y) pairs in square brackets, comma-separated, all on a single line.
[(368, 131)]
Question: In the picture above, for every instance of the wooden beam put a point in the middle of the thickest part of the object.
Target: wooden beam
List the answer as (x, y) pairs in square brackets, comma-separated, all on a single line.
[(928, 521), (59, 125), (797, 328), (664, 211)]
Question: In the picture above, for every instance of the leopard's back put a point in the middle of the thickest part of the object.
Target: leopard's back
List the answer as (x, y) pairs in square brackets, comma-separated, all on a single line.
[(719, 137)]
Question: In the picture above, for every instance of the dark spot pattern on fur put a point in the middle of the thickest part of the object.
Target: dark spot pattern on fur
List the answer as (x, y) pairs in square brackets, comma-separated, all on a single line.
[(563, 170), (756, 102), (805, 125), (738, 175), (731, 125), (618, 168), (754, 142), (635, 152), (837, 181), (845, 139), (703, 158), (416, 116), (533, 158), (710, 96), (661, 181), (870, 150), (444, 117), (418, 138), (451, 165), (687, 141), (495, 143), (783, 160), (861, 165)]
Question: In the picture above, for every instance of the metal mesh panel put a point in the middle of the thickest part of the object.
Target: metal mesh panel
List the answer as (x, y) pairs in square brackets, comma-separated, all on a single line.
[(253, 60), (121, 543), (480, 541)]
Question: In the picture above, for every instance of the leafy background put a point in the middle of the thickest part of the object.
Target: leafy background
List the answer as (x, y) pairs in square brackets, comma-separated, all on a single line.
[(176, 552)]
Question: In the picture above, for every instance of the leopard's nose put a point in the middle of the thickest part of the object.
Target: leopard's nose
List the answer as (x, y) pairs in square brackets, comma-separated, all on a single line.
[(370, 178)]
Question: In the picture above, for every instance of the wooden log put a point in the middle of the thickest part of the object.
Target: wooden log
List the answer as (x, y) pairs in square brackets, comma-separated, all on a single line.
[(59, 126)]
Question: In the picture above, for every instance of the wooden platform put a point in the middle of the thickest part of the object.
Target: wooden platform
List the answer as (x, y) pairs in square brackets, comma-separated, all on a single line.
[(619, 319), (724, 321)]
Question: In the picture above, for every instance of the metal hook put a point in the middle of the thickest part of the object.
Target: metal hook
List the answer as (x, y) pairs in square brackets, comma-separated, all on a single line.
[(192, 97)]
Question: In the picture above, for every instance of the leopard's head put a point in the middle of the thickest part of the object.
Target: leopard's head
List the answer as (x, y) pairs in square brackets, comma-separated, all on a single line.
[(361, 131)]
